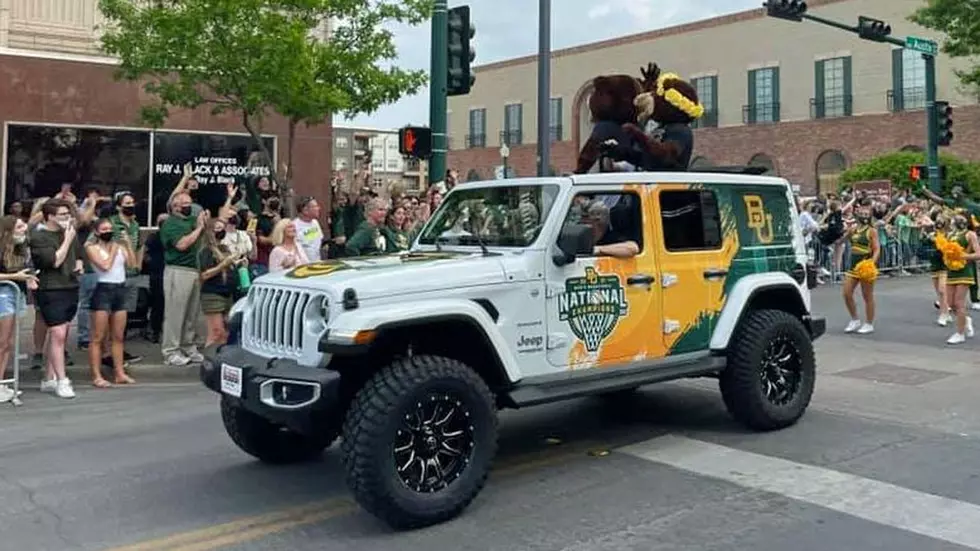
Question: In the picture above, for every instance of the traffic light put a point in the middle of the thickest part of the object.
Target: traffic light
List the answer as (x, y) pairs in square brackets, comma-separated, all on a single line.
[(790, 10), (461, 53), (415, 141), (944, 122), (873, 29), (918, 172)]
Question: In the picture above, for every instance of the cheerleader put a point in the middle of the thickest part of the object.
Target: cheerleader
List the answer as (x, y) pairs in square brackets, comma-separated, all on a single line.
[(935, 227), (958, 281), (863, 237)]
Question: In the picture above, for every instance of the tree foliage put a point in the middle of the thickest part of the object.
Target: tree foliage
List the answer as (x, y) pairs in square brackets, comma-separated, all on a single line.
[(959, 20), (896, 168), (255, 57)]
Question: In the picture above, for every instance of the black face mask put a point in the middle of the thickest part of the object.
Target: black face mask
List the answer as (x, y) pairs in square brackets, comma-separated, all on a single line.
[(128, 210), (185, 211), (105, 237), (219, 235)]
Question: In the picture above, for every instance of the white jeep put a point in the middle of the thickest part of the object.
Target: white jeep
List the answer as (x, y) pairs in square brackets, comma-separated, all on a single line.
[(520, 292)]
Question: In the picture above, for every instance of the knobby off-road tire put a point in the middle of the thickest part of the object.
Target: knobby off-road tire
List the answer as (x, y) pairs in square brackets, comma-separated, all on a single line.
[(748, 381), (269, 442), (385, 418)]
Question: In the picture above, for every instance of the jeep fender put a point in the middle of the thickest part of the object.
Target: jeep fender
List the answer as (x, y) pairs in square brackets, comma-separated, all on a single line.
[(741, 296), (379, 317)]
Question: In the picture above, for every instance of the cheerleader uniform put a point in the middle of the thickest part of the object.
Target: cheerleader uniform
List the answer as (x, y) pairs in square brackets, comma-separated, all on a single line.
[(936, 265), (860, 247), (965, 276)]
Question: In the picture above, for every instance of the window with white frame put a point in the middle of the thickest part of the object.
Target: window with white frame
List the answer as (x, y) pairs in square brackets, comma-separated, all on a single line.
[(913, 80)]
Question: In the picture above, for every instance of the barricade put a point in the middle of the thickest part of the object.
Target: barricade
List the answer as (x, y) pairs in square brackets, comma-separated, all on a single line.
[(15, 380), (897, 258)]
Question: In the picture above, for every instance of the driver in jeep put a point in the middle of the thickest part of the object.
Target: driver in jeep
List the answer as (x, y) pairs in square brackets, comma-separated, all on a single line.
[(606, 240)]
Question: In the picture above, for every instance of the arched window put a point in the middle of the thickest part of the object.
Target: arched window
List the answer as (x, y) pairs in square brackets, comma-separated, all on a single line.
[(473, 175), (912, 148), (700, 162), (763, 161), (830, 165)]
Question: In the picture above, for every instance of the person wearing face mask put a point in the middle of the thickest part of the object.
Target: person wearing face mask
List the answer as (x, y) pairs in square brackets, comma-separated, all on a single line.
[(218, 282), (180, 236), (863, 237), (958, 281), (109, 257), (126, 229), (55, 252), (267, 220), (14, 267)]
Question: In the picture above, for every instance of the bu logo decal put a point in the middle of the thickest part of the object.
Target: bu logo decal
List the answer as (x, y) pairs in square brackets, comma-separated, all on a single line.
[(759, 220)]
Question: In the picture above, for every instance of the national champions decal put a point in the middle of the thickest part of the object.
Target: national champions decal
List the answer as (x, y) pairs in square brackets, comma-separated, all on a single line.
[(592, 306)]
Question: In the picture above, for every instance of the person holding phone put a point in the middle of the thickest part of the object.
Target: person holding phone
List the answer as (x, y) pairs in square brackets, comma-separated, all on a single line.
[(218, 268), (15, 267)]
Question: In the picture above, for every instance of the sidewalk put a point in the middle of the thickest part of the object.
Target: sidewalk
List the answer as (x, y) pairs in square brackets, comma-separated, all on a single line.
[(149, 368)]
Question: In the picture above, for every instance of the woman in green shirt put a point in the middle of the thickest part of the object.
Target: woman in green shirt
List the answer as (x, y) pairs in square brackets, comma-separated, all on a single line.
[(396, 238), (863, 237)]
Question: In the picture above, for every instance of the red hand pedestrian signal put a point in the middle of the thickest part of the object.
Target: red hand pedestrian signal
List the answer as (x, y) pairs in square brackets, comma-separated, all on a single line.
[(415, 141)]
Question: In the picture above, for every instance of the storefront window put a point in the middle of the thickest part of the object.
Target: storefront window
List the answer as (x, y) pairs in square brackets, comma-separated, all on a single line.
[(42, 158)]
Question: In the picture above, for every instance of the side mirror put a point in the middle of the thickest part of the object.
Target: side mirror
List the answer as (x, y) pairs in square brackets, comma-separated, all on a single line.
[(574, 240)]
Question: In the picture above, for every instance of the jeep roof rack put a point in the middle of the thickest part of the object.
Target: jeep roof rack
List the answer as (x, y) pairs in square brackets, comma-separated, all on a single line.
[(735, 169)]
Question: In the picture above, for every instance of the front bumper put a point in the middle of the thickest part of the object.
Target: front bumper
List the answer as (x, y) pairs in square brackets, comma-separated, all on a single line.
[(817, 326), (281, 391)]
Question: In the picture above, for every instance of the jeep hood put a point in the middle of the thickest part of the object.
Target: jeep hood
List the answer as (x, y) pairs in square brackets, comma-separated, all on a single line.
[(390, 275)]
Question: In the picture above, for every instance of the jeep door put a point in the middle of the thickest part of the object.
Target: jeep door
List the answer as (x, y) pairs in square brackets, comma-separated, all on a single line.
[(692, 261), (604, 311)]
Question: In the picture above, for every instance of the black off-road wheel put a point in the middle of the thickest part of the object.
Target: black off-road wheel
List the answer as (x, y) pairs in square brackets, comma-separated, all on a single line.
[(769, 379), (419, 440), (269, 442)]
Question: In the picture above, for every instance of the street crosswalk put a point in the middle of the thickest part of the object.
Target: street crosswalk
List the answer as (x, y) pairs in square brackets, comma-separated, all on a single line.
[(913, 511)]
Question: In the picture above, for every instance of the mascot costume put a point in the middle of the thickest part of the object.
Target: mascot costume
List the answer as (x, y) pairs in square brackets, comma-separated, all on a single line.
[(612, 105), (672, 104)]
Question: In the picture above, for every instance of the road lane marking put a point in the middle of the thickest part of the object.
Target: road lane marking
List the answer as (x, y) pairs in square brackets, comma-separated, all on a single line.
[(249, 529), (926, 514)]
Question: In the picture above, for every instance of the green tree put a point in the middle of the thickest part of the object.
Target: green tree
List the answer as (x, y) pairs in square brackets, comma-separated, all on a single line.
[(258, 57), (957, 19), (896, 166)]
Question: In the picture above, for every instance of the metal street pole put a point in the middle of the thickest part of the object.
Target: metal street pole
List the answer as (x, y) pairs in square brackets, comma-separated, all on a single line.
[(438, 74), (544, 87), (932, 132)]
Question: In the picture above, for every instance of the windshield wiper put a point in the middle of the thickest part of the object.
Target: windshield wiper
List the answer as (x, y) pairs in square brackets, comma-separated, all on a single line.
[(477, 238)]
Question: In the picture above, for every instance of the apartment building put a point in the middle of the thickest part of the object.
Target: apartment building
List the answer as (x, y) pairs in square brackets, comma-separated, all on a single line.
[(356, 149), (802, 99), (66, 119)]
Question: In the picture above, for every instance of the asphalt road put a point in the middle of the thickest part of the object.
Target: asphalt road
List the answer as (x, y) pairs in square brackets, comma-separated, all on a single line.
[(885, 459)]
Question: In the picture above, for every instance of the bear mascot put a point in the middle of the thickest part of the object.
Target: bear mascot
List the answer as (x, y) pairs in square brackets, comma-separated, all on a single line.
[(671, 103), (612, 106)]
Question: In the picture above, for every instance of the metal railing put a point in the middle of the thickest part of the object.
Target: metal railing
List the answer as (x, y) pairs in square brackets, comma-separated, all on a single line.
[(708, 120), (829, 107), (476, 140), (760, 113), (511, 137), (899, 256), (555, 133), (908, 99), (18, 307)]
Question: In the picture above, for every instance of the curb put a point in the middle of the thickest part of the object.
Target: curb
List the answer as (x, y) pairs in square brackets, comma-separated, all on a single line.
[(143, 371)]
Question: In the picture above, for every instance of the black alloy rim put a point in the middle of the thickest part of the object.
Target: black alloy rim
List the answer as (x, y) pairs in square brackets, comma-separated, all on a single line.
[(782, 371), (434, 443)]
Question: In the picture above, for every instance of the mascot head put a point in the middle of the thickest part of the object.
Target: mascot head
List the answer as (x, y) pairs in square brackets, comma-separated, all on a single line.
[(667, 98), (612, 98)]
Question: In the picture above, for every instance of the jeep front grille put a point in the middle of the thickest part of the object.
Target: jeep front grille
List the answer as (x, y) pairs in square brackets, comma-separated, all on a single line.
[(275, 324)]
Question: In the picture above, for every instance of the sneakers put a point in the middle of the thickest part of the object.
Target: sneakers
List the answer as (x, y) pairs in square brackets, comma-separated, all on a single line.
[(865, 329), (176, 360), (60, 388), (195, 357), (957, 338), (853, 326), (969, 328), (132, 358), (6, 394), (944, 319)]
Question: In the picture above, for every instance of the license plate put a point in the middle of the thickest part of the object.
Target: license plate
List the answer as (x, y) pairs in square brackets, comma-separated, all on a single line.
[(231, 380)]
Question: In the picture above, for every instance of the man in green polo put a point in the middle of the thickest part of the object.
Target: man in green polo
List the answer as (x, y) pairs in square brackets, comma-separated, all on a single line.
[(180, 236)]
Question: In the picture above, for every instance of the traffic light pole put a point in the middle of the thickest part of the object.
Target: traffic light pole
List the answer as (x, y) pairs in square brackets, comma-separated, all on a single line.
[(932, 136), (544, 87), (438, 74)]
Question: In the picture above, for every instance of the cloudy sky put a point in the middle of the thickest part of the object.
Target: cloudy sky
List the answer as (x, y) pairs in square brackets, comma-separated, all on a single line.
[(508, 28)]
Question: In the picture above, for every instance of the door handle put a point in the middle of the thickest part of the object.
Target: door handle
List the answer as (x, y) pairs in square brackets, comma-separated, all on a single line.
[(712, 273), (640, 279)]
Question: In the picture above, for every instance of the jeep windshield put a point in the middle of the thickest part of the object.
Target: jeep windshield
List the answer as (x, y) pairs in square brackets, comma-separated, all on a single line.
[(498, 216)]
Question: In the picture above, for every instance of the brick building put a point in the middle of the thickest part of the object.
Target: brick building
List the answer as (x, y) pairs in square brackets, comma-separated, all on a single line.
[(66, 119), (804, 100)]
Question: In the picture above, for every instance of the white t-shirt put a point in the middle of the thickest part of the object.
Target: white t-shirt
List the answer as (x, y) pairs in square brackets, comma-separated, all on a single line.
[(309, 235)]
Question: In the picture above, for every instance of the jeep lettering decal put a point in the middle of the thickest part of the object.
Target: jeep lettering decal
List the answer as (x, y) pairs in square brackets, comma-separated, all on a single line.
[(592, 306)]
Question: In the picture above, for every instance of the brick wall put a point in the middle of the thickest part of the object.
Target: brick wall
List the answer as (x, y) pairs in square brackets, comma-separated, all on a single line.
[(69, 92), (794, 147)]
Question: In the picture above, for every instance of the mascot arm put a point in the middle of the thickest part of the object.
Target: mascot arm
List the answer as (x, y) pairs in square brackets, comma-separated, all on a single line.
[(666, 154), (596, 145)]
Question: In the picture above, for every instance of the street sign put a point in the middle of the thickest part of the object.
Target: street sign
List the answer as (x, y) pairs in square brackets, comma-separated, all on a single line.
[(922, 45)]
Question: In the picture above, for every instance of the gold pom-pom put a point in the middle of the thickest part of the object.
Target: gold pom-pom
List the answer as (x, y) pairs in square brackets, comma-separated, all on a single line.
[(866, 270)]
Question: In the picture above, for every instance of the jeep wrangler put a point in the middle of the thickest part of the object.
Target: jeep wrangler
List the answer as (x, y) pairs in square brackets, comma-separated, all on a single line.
[(520, 292)]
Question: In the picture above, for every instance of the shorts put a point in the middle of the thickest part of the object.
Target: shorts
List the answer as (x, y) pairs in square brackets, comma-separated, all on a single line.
[(109, 297), (57, 306), (11, 303), (215, 304)]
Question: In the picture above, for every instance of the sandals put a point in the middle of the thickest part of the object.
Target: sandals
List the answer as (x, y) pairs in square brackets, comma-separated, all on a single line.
[(125, 380), (101, 383)]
